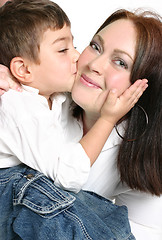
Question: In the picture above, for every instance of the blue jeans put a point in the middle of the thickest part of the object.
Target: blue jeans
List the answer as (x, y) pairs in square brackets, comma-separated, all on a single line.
[(33, 208)]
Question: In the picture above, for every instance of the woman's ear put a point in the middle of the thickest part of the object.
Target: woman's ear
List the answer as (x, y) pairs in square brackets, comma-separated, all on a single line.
[(20, 70)]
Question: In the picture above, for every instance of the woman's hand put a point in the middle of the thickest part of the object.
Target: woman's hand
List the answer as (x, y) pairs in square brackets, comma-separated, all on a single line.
[(116, 107), (7, 81)]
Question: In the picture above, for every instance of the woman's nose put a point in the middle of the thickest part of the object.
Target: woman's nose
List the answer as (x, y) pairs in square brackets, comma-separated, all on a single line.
[(98, 65)]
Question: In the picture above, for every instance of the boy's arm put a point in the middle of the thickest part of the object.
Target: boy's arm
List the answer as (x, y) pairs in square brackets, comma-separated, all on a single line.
[(41, 144), (113, 109)]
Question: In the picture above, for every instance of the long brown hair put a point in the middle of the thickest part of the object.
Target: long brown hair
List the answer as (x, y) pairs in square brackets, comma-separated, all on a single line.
[(140, 161)]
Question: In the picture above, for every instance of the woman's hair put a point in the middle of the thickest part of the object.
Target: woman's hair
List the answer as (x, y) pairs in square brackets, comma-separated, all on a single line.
[(140, 161), (22, 25)]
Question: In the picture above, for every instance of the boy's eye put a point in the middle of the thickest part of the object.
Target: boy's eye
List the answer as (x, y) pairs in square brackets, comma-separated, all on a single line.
[(63, 50), (95, 46), (121, 63)]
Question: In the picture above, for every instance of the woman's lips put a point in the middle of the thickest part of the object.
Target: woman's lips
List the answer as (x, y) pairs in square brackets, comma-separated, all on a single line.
[(89, 82)]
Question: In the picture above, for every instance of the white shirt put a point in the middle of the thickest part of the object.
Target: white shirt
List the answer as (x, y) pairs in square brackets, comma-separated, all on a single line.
[(144, 210), (46, 140)]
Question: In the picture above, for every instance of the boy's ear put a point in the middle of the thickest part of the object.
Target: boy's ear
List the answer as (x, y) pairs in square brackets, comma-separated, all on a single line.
[(20, 70)]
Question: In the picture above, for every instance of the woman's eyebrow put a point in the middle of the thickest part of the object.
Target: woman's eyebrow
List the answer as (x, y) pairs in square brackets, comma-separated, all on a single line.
[(100, 39), (102, 42), (123, 52)]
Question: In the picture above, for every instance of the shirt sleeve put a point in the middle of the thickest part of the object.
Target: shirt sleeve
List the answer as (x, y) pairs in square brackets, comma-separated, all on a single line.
[(75, 165), (41, 147)]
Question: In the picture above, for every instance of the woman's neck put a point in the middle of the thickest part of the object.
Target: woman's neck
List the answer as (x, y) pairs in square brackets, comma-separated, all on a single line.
[(89, 120)]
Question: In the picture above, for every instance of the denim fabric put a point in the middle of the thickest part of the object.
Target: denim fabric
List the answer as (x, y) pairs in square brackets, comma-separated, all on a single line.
[(33, 208)]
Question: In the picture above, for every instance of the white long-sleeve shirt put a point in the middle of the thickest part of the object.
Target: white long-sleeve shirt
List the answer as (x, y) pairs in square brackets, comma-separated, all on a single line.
[(144, 210), (46, 140)]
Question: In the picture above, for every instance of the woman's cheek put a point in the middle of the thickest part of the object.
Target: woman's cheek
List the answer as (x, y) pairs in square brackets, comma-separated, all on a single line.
[(121, 83)]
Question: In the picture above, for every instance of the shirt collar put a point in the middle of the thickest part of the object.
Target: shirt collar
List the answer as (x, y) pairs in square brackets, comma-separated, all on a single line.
[(30, 89), (59, 98), (114, 138)]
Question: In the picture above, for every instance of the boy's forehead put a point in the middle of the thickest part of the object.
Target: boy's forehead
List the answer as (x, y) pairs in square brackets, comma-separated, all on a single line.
[(59, 34)]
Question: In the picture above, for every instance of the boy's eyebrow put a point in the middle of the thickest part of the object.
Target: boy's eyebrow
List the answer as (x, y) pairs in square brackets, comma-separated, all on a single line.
[(62, 39)]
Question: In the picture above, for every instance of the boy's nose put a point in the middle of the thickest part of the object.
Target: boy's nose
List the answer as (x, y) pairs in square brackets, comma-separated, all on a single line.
[(76, 56)]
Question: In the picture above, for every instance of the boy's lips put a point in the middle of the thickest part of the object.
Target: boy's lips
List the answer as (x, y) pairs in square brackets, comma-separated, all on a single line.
[(89, 82)]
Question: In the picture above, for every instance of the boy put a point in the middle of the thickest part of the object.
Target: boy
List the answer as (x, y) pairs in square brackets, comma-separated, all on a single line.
[(36, 125)]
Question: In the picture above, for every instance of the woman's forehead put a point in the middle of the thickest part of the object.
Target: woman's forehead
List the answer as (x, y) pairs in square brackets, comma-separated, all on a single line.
[(120, 34)]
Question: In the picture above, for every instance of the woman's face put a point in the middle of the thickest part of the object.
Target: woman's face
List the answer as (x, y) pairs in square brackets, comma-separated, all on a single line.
[(105, 64)]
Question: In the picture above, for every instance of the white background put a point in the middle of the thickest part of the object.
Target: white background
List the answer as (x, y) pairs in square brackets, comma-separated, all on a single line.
[(87, 15)]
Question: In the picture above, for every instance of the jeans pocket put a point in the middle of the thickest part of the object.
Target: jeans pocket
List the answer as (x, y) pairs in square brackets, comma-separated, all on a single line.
[(39, 193)]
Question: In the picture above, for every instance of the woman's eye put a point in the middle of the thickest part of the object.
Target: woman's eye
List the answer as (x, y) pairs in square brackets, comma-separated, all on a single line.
[(121, 63), (95, 46)]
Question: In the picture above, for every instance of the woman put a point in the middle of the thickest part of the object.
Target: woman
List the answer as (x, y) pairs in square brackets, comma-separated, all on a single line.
[(116, 57), (112, 61), (20, 205)]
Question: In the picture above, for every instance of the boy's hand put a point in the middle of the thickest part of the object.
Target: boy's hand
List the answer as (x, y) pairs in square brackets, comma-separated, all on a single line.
[(4, 86), (7, 81), (115, 107)]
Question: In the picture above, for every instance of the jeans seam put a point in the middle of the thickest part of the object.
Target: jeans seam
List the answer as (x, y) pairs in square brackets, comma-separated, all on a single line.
[(43, 190), (130, 235), (64, 202), (6, 180), (25, 185), (56, 190), (38, 209), (76, 218)]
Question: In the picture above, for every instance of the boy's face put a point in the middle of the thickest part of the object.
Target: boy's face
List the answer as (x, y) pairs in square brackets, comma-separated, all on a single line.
[(57, 69)]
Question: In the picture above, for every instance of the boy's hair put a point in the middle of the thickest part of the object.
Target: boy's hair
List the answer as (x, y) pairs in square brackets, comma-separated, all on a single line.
[(22, 25)]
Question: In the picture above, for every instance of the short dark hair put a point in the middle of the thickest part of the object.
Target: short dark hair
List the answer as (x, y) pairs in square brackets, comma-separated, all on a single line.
[(22, 25)]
